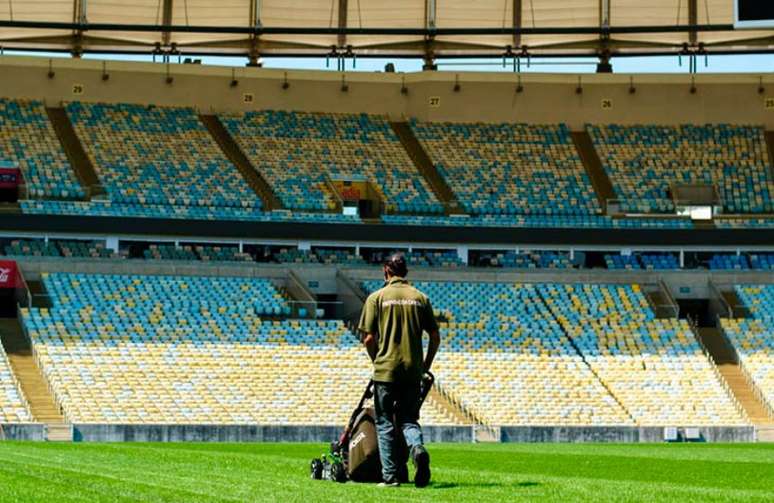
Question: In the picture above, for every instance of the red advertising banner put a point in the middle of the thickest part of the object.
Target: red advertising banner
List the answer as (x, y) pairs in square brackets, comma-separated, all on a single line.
[(8, 274), (10, 178)]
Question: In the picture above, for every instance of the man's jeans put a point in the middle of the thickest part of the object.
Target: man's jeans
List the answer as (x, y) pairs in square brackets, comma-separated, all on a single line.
[(401, 401)]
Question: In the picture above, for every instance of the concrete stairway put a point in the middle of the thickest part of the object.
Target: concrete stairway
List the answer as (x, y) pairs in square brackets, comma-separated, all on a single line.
[(723, 353), (426, 167), (234, 154), (79, 160), (599, 179), (33, 385)]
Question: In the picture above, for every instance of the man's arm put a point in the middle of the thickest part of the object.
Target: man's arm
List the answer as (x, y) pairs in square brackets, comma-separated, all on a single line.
[(369, 341), (432, 349), (368, 326)]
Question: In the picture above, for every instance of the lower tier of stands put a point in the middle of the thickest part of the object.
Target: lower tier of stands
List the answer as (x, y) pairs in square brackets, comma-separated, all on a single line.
[(192, 350), (573, 354)]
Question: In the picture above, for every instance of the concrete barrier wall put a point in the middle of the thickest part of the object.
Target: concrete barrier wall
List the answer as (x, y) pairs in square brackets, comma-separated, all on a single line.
[(618, 434), (203, 433), (326, 434), (35, 432)]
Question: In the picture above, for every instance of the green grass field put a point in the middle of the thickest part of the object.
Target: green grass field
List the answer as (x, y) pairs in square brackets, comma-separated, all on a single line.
[(279, 472)]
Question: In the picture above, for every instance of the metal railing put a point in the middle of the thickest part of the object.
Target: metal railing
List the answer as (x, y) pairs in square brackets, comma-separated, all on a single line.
[(713, 365), (39, 365), (457, 402)]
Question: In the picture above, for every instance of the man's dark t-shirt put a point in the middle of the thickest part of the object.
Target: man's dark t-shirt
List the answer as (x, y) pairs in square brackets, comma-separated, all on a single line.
[(398, 313)]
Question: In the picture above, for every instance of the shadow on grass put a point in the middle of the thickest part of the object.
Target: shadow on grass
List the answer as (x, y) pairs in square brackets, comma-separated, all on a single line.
[(480, 485)]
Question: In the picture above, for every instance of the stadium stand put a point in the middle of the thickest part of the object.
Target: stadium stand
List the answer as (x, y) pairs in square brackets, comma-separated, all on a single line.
[(13, 406), (299, 153), (192, 350), (655, 367), (753, 338), (28, 139), (510, 169), (158, 156), (507, 359), (643, 161)]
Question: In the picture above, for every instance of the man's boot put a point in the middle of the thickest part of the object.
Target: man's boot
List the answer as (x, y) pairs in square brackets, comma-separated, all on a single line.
[(421, 459)]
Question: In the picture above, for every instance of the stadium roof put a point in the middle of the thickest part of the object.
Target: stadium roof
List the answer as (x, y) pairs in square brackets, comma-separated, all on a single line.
[(397, 28)]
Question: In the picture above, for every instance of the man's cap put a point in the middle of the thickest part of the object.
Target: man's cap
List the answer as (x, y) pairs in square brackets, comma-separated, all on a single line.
[(396, 265)]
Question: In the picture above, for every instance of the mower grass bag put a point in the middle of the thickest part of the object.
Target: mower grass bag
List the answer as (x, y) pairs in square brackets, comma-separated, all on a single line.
[(355, 456)]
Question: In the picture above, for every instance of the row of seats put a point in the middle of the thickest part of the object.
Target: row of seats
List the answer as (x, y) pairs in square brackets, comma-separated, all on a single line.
[(158, 156), (645, 261), (318, 256), (753, 338), (541, 221), (744, 223), (13, 405), (65, 248), (185, 350), (527, 260), (301, 153), (28, 139), (644, 161), (510, 169), (100, 208)]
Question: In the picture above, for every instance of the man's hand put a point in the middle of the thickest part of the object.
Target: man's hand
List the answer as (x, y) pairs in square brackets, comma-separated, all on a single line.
[(369, 341), (432, 349)]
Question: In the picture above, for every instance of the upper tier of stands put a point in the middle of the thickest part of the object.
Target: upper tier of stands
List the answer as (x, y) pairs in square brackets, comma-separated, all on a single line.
[(192, 350), (147, 155), (13, 406), (655, 367), (28, 139), (300, 153), (510, 169), (753, 338), (505, 357), (161, 162), (643, 161)]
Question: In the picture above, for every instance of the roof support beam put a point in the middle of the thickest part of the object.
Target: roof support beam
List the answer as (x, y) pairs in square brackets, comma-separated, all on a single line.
[(342, 23), (429, 54), (693, 20), (79, 16), (604, 65), (517, 22), (166, 20), (253, 54)]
